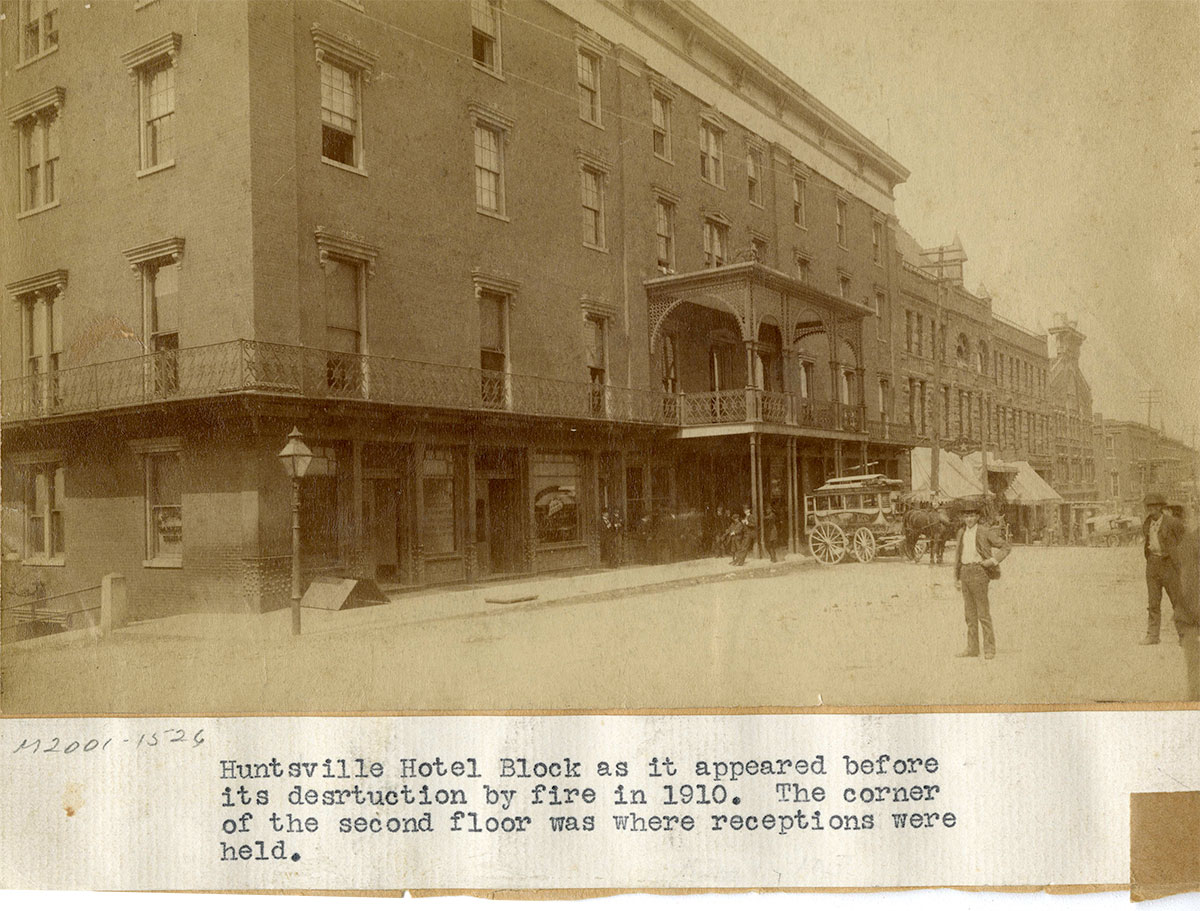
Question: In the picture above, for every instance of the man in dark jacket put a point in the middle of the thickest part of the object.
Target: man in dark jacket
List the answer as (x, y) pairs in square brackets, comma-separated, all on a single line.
[(1162, 533), (976, 562)]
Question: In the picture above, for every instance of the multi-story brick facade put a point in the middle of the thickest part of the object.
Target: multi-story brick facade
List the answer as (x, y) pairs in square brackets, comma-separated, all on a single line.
[(1074, 466), (1134, 459), (963, 373), (504, 268)]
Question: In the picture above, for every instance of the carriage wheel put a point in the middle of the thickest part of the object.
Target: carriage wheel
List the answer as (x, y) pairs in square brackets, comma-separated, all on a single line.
[(864, 545), (1111, 541), (919, 549), (827, 543)]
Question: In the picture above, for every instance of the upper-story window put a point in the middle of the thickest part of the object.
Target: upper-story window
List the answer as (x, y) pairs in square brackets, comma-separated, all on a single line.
[(660, 118), (37, 126), (344, 67), (982, 365), (877, 243), (840, 222), (596, 326), (908, 331), (760, 248), (340, 138), (754, 175), (587, 77), (489, 169), (664, 229), (799, 192), (485, 34), (41, 341), (157, 268), (712, 145), (44, 538), (803, 269), (669, 369), (39, 27), (153, 66), (592, 185), (716, 242)]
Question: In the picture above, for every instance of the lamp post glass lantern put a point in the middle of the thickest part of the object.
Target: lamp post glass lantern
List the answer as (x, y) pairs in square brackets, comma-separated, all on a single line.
[(295, 457)]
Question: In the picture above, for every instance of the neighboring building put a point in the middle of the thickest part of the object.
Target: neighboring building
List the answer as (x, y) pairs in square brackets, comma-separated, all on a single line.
[(1074, 468), (504, 268), (1135, 459), (966, 373)]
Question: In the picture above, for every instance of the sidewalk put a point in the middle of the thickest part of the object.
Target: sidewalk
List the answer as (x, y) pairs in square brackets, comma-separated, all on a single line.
[(434, 605)]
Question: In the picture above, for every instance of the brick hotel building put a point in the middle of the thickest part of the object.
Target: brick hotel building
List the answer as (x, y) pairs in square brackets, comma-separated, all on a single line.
[(505, 264)]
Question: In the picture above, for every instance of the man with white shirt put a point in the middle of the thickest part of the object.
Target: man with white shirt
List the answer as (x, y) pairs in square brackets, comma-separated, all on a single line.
[(977, 561)]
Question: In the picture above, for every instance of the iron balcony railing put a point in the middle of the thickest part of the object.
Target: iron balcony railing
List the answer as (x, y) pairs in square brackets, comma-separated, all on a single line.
[(249, 366)]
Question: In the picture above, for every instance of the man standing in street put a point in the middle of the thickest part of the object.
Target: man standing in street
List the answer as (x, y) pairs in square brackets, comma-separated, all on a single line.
[(746, 535), (977, 561), (1162, 533)]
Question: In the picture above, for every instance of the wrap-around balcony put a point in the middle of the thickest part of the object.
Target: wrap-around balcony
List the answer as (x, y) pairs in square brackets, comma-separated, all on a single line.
[(264, 368)]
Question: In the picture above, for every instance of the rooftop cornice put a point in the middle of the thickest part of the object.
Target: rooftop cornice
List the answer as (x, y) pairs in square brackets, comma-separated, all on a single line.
[(697, 23)]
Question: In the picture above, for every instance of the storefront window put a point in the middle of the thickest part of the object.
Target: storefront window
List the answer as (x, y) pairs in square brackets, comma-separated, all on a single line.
[(439, 523), (555, 491)]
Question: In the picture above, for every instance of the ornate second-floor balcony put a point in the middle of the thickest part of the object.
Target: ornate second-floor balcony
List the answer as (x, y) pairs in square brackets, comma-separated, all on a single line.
[(264, 368)]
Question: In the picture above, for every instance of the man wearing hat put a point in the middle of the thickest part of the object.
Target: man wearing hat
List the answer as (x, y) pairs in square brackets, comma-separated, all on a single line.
[(976, 563), (1163, 533)]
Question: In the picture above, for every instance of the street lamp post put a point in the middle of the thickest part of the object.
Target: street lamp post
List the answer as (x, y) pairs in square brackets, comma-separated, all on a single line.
[(295, 457)]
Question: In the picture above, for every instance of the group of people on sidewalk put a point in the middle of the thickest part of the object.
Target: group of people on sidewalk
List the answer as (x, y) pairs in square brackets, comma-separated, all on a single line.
[(734, 535)]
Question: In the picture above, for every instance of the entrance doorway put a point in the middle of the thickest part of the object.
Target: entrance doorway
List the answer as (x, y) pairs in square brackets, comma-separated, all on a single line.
[(387, 518), (499, 535)]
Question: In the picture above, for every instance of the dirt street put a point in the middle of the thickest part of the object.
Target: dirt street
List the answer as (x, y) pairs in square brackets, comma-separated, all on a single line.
[(1068, 624)]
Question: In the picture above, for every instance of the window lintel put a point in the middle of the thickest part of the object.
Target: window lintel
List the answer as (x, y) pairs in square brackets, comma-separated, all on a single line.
[(38, 457), (597, 307), (492, 281), (711, 118), (716, 215), (588, 40), (593, 160), (154, 445), (662, 86), (47, 280), (664, 194), (165, 46), (343, 49), (169, 248), (31, 107), (486, 114), (339, 245)]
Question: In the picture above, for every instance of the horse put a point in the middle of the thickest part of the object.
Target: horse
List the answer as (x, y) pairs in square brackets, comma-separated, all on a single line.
[(932, 523)]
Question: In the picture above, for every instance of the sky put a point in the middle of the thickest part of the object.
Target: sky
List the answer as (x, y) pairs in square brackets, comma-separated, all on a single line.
[(1054, 138)]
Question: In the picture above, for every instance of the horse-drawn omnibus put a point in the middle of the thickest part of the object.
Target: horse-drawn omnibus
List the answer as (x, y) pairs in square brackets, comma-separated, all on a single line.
[(856, 515)]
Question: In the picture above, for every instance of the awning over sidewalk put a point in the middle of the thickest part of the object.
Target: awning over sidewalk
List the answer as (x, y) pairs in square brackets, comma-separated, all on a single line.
[(955, 478), (1025, 489)]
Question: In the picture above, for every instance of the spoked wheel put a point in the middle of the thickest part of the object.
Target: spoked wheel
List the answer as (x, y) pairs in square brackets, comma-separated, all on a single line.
[(828, 543), (865, 547), (919, 550)]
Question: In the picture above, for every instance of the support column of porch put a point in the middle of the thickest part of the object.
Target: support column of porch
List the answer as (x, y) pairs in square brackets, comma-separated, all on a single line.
[(756, 493), (805, 486), (791, 493), (839, 462)]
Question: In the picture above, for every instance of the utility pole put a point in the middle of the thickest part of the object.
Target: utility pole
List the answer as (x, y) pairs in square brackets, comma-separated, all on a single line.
[(1150, 398), (935, 438)]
